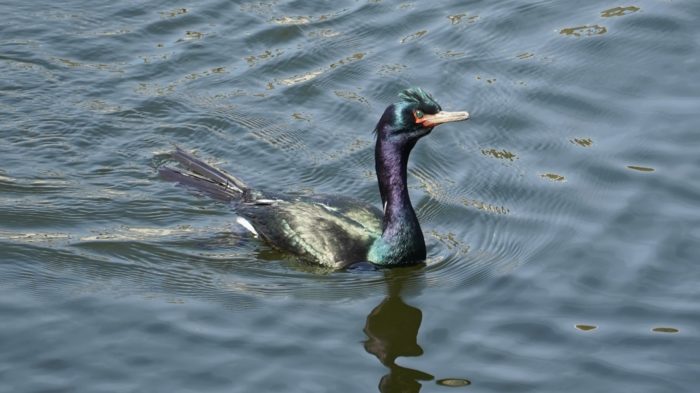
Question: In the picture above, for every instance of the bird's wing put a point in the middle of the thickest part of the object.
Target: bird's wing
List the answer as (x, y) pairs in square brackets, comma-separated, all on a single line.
[(329, 235)]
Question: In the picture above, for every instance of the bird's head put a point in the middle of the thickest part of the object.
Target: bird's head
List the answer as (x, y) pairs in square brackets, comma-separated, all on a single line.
[(413, 117)]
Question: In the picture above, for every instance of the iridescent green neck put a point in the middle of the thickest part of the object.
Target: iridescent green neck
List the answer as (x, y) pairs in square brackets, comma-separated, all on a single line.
[(402, 240)]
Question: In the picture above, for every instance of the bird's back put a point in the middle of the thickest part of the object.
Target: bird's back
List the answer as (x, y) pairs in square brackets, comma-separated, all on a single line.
[(332, 231)]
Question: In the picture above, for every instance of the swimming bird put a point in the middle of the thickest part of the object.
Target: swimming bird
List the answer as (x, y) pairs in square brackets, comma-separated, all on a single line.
[(337, 231)]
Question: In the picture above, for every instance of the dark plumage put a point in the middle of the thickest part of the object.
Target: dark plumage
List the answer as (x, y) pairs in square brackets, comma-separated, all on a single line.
[(337, 231)]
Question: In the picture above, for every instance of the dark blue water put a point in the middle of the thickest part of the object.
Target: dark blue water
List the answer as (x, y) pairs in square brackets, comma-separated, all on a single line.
[(562, 221)]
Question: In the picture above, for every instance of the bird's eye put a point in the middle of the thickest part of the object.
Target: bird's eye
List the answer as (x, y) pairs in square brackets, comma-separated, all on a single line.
[(419, 114)]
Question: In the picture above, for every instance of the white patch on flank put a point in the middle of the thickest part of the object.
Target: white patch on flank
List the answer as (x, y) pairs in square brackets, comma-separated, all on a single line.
[(266, 201), (329, 208), (247, 225), (384, 210)]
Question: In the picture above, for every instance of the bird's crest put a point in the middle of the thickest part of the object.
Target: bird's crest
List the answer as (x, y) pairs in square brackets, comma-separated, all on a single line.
[(419, 96)]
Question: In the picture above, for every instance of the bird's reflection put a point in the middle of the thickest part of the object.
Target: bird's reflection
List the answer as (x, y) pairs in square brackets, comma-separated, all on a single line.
[(392, 331)]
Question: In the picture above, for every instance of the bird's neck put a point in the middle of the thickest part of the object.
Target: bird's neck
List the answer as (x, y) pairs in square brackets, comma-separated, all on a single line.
[(402, 239)]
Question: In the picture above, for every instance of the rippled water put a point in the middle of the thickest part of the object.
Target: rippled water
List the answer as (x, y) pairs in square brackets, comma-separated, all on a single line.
[(561, 221)]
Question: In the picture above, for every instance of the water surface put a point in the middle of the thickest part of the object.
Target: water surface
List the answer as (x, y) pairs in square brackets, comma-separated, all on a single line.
[(562, 221)]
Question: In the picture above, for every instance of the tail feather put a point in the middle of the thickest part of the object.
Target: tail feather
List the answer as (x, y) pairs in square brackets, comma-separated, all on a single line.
[(207, 171), (204, 177), (206, 186)]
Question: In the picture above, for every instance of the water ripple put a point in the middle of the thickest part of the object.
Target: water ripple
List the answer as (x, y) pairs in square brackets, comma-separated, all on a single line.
[(568, 201)]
